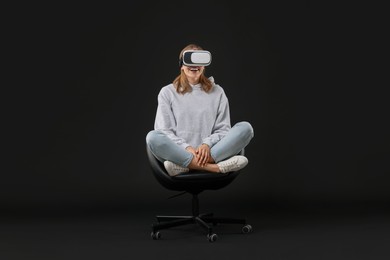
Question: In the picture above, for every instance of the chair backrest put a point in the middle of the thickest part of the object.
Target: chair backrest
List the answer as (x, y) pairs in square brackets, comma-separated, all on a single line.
[(193, 182)]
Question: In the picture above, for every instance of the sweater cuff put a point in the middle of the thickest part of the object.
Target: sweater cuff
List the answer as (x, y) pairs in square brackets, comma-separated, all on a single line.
[(208, 142), (184, 145)]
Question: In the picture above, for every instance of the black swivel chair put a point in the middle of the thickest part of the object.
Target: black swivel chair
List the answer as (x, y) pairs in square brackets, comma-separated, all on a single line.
[(194, 183)]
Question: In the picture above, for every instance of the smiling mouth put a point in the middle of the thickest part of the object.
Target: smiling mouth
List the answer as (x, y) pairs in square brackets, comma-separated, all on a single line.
[(194, 69)]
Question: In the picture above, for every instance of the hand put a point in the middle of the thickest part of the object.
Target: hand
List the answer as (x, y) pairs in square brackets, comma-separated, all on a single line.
[(203, 154), (191, 150)]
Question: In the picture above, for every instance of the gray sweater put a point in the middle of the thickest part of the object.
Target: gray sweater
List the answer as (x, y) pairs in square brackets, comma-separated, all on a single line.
[(193, 118)]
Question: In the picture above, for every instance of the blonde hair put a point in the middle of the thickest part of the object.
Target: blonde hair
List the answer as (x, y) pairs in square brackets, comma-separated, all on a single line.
[(181, 82)]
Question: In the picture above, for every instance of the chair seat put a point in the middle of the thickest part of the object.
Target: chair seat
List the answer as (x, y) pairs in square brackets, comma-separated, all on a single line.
[(193, 181), (199, 175), (196, 182)]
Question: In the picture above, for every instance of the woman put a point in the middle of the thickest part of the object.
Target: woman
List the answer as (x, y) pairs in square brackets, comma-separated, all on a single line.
[(192, 129)]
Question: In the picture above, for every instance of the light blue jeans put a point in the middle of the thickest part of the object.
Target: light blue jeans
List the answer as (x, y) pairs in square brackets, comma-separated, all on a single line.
[(164, 149)]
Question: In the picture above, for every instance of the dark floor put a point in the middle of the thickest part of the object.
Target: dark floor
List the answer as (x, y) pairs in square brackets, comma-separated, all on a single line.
[(304, 233)]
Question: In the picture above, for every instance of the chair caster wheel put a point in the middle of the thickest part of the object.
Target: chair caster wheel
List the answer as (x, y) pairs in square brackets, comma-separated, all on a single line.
[(212, 237), (246, 229), (155, 235)]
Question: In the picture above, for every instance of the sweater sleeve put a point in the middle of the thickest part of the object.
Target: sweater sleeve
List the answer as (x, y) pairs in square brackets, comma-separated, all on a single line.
[(222, 123), (165, 120)]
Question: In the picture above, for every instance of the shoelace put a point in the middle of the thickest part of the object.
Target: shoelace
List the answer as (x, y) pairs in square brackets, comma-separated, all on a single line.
[(231, 163), (178, 167)]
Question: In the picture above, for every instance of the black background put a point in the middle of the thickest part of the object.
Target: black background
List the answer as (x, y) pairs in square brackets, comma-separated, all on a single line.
[(83, 79)]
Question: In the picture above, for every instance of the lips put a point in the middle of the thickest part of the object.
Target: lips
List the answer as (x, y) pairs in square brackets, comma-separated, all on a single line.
[(194, 69)]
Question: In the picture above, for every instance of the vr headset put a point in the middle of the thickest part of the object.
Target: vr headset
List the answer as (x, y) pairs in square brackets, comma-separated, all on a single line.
[(195, 58)]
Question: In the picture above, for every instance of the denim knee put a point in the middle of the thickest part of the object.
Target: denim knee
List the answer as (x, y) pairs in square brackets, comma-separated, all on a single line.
[(152, 137), (246, 129)]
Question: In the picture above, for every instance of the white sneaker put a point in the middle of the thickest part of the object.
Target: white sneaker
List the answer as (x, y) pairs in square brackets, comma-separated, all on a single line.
[(233, 164), (174, 169)]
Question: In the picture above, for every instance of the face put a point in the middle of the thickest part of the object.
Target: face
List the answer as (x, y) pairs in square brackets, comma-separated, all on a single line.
[(193, 73)]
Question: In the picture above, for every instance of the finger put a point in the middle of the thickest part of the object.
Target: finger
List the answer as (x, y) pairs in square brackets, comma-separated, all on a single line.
[(204, 157), (200, 158), (200, 161)]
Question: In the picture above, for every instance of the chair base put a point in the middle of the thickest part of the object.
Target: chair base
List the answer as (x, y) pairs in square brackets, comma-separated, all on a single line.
[(203, 220), (165, 222)]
